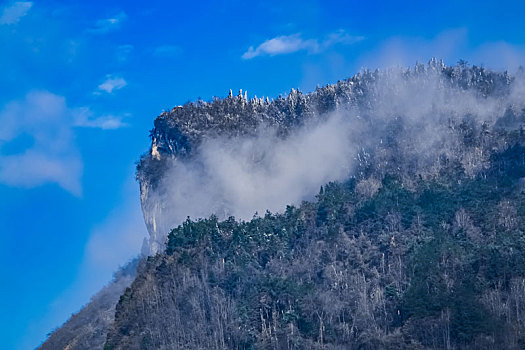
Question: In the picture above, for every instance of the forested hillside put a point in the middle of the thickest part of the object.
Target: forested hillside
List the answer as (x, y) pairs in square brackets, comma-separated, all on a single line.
[(437, 265), (396, 221)]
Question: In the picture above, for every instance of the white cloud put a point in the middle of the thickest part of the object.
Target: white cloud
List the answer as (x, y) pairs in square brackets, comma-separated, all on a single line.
[(51, 155), (293, 43), (281, 45), (14, 12), (241, 175), (36, 167), (106, 122), (111, 83), (106, 25)]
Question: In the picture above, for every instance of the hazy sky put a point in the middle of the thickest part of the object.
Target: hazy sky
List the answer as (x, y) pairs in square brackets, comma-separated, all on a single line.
[(81, 82)]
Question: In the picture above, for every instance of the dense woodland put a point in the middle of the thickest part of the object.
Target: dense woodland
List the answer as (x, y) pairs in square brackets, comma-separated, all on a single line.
[(440, 265), (422, 247)]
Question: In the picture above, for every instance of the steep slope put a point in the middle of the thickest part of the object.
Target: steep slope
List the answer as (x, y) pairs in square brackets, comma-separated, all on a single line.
[(88, 328)]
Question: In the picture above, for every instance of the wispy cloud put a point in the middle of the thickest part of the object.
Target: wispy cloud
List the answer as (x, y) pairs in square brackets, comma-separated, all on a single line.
[(106, 25), (37, 141), (52, 157), (341, 37), (286, 44), (450, 45), (11, 14), (106, 122), (112, 242), (281, 45), (111, 84), (36, 167), (167, 50), (405, 51), (124, 224)]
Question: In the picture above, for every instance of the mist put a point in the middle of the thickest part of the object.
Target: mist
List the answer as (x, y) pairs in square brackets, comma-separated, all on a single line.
[(244, 175)]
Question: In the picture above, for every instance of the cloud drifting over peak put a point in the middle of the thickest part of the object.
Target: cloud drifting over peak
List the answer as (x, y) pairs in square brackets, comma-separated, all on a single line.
[(242, 175), (12, 14), (286, 44)]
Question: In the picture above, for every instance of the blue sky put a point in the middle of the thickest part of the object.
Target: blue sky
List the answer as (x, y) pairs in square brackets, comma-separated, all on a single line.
[(81, 82)]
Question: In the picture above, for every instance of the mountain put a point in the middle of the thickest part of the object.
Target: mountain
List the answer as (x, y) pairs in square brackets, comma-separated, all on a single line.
[(399, 219), (88, 328)]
